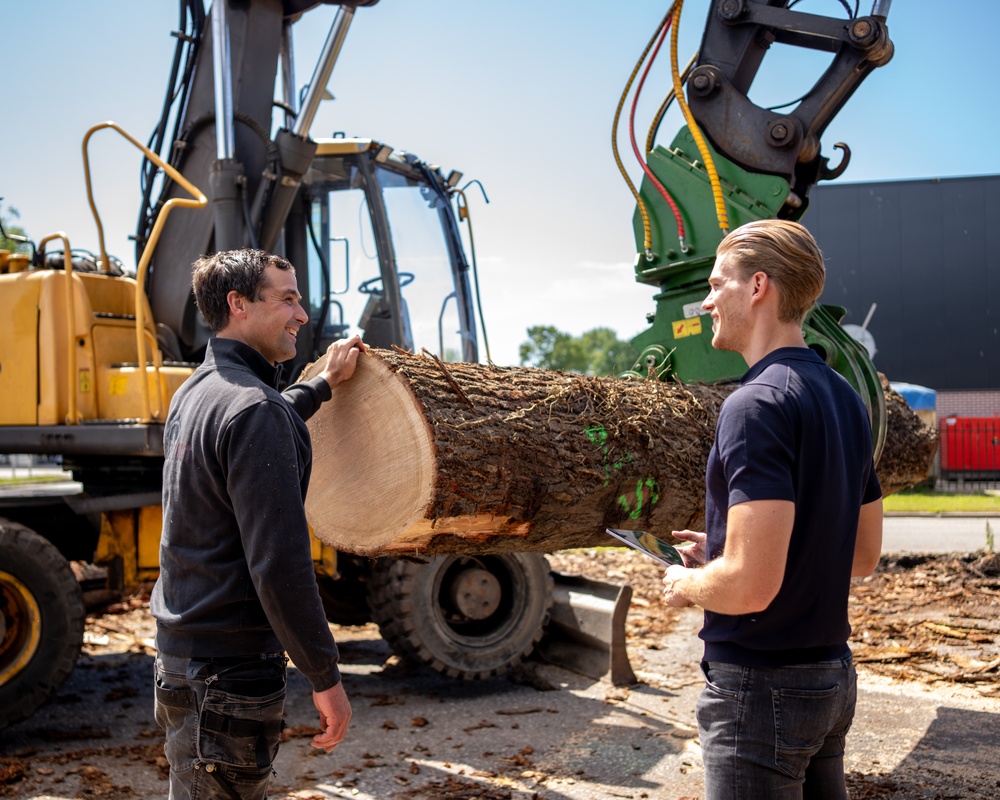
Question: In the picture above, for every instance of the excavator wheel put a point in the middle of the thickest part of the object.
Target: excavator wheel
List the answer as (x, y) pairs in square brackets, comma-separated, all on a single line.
[(41, 621), (466, 617)]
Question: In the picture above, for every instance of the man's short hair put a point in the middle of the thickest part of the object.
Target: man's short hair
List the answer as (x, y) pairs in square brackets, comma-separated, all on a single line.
[(240, 271), (787, 253)]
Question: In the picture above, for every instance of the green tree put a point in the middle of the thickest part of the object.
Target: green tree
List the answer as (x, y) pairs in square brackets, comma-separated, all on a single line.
[(595, 352), (609, 355), (6, 218)]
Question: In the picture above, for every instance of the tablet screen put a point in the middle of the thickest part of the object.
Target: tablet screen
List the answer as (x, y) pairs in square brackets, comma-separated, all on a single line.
[(648, 544)]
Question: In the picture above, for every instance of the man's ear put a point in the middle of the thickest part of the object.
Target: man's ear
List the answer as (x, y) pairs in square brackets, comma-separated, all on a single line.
[(237, 305), (760, 283)]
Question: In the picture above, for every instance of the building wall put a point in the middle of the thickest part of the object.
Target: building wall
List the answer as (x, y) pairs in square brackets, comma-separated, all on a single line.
[(927, 253), (968, 404)]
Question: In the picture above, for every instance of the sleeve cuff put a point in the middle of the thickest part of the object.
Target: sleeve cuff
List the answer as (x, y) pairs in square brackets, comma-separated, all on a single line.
[(320, 683)]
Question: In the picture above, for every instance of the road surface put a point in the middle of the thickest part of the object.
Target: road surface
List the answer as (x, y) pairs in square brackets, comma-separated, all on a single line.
[(950, 533), (418, 736)]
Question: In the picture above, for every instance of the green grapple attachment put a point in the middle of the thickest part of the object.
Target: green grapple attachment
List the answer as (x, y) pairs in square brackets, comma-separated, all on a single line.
[(679, 342), (766, 160), (678, 345)]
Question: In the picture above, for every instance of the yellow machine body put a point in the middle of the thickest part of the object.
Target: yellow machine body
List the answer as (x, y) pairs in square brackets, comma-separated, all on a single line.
[(38, 325), (133, 537)]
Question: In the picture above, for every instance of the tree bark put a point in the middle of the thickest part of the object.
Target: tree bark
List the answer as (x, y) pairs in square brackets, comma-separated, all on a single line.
[(413, 456)]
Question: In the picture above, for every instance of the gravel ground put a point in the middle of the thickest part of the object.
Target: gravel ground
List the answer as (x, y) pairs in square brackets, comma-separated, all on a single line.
[(927, 725)]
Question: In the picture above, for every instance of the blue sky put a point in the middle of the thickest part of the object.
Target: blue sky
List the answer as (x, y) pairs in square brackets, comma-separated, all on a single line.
[(519, 95)]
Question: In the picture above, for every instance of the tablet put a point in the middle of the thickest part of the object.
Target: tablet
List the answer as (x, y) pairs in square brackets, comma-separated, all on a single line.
[(648, 544)]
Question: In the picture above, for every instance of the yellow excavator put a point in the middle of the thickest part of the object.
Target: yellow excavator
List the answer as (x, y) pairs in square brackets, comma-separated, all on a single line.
[(90, 355)]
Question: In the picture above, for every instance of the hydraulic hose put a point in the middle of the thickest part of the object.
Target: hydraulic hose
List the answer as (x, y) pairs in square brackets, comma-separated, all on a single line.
[(643, 212), (635, 147), (699, 140), (654, 126), (465, 215)]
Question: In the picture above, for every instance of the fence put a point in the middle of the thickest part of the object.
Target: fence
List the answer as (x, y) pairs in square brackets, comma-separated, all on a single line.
[(969, 453)]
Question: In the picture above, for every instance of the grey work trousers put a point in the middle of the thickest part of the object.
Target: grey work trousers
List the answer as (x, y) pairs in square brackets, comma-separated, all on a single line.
[(222, 719)]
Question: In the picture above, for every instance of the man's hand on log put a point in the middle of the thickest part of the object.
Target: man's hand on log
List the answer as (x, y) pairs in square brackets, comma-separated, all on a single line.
[(694, 553), (342, 359)]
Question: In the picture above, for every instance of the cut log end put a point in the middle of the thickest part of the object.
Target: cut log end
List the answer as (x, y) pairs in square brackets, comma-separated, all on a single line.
[(374, 466)]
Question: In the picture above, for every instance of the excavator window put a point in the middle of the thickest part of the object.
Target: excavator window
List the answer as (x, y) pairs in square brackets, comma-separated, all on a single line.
[(414, 212), (354, 256)]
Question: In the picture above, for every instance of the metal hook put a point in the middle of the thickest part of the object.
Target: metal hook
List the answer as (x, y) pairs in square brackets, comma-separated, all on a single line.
[(827, 174)]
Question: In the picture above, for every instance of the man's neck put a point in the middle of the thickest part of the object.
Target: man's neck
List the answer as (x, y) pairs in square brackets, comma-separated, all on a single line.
[(765, 342), (232, 332)]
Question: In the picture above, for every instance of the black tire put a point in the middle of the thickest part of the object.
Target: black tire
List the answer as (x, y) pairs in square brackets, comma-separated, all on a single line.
[(417, 613), (41, 621)]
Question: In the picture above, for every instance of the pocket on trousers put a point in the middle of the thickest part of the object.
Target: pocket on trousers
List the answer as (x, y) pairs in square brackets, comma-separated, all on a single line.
[(725, 681), (242, 730), (247, 784), (175, 711), (803, 718), (174, 699)]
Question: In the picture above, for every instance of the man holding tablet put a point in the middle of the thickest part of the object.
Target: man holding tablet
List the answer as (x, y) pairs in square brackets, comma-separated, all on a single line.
[(793, 511)]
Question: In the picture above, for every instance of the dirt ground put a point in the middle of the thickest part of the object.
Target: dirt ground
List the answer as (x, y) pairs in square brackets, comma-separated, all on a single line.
[(921, 617), (927, 639)]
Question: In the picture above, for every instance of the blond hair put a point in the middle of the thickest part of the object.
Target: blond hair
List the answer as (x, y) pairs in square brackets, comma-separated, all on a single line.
[(784, 251)]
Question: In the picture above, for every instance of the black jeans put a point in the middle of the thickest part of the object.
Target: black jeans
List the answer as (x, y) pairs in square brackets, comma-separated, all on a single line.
[(222, 719)]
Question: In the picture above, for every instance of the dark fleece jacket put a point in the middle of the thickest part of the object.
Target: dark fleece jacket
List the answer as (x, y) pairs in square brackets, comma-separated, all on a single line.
[(236, 572)]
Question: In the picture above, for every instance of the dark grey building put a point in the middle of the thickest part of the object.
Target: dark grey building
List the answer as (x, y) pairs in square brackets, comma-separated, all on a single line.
[(927, 253)]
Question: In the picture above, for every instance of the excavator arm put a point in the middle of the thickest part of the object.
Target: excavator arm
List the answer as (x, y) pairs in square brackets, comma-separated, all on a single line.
[(226, 87), (737, 37), (735, 162)]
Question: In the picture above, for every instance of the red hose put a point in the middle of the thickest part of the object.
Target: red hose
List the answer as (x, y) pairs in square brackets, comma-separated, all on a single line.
[(631, 132)]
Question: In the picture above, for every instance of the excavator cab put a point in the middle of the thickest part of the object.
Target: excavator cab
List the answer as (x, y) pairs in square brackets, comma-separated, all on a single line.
[(383, 239)]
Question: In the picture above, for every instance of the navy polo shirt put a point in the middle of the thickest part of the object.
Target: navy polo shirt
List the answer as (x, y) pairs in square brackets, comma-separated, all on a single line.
[(795, 430)]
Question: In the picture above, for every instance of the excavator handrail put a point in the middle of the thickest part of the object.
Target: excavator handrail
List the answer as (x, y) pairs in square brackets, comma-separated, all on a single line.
[(198, 200)]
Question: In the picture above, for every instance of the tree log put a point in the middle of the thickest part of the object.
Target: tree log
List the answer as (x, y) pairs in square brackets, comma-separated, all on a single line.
[(414, 456)]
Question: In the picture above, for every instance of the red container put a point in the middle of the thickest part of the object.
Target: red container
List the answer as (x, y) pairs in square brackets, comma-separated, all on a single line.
[(970, 445)]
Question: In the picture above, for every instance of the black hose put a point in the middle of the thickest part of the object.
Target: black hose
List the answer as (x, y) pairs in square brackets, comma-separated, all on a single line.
[(190, 26), (324, 306)]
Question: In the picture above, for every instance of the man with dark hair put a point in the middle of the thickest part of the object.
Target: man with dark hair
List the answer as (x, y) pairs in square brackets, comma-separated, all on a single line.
[(793, 511), (237, 587)]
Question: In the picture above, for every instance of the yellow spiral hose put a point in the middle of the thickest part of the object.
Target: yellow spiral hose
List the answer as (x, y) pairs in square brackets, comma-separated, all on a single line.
[(706, 155)]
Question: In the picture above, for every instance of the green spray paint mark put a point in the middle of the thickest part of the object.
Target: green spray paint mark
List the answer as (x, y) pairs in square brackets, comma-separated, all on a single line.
[(641, 485), (627, 459), (598, 436)]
